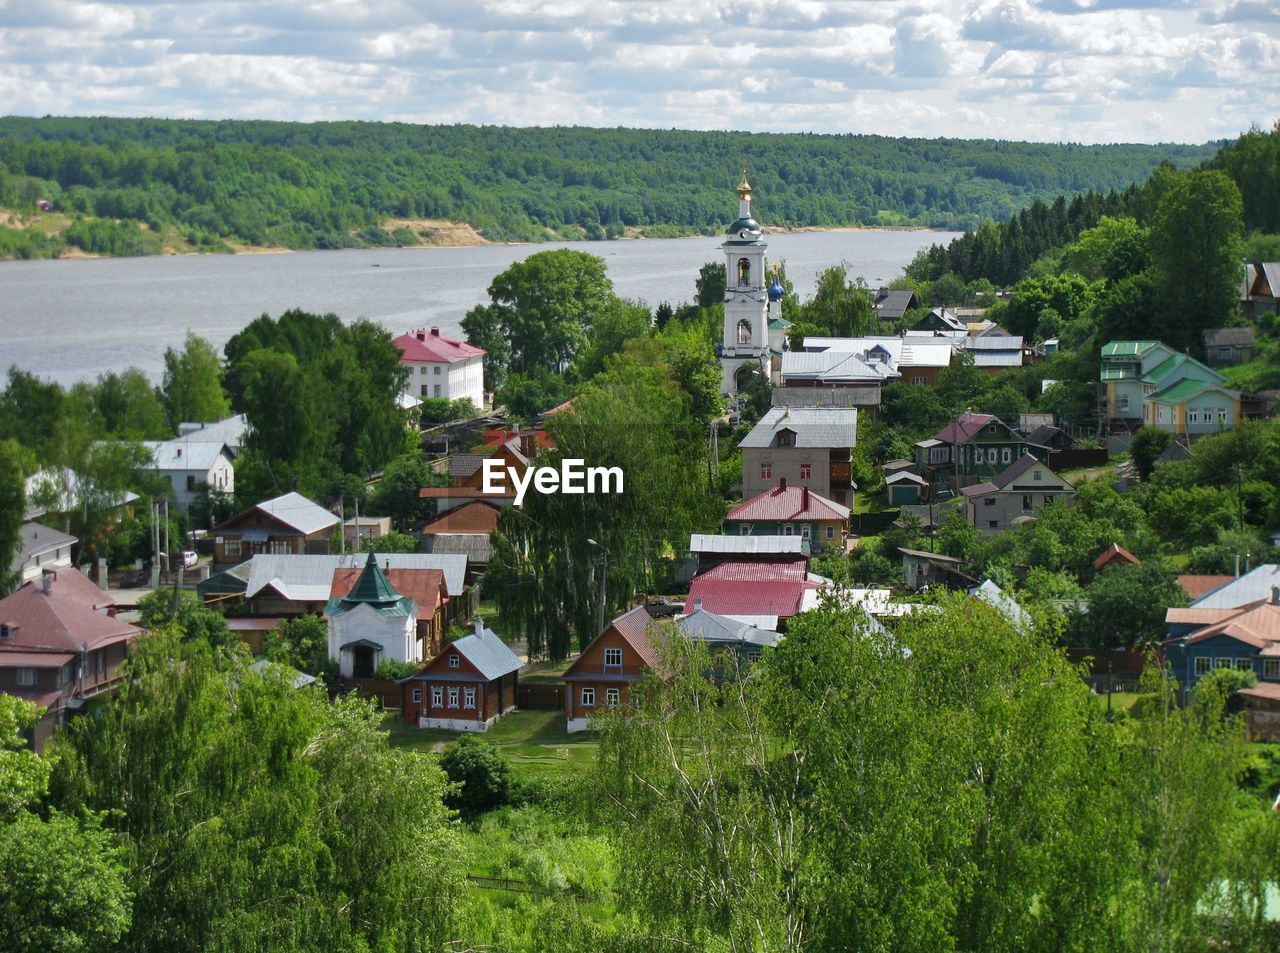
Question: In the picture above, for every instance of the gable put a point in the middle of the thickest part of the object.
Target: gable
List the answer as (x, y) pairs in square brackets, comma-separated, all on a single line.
[(439, 666)]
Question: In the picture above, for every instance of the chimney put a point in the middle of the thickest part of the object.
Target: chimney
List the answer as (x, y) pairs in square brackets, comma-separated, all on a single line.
[(1275, 595), (179, 453), (420, 335), (435, 332), (804, 498), (697, 605), (46, 582), (782, 485)]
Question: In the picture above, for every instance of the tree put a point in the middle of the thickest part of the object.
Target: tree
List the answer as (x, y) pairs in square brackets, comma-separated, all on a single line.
[(12, 509), (839, 305), (610, 332), (130, 407), (239, 786), (1127, 604), (1195, 252), (710, 285), (1147, 444), (303, 644), (541, 312), (396, 494), (481, 772), (391, 542), (1113, 249), (192, 387)]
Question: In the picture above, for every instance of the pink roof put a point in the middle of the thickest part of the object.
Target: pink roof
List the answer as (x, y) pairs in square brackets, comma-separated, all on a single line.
[(1196, 586), (788, 503), (776, 597), (34, 659), (1256, 625), (65, 620), (432, 347), (757, 571), (962, 429)]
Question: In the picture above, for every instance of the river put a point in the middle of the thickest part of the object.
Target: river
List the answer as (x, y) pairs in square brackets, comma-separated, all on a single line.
[(71, 319)]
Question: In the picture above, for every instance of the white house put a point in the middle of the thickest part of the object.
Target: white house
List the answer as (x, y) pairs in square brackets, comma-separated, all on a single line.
[(190, 461), (370, 624), (442, 367), (42, 548)]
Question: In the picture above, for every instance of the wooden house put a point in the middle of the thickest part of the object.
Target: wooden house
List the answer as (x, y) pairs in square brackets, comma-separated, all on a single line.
[(287, 525), (467, 687), (600, 679)]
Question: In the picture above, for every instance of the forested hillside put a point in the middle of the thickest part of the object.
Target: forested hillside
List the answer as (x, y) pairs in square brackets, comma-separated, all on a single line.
[(116, 186)]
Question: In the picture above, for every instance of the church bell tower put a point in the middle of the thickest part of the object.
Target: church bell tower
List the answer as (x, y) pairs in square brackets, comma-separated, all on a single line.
[(744, 347)]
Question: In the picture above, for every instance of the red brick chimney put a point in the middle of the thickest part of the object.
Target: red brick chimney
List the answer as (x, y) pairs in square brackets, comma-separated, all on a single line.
[(420, 334), (804, 498), (782, 485), (435, 332)]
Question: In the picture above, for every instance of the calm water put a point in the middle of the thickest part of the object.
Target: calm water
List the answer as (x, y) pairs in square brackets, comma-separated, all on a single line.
[(73, 319)]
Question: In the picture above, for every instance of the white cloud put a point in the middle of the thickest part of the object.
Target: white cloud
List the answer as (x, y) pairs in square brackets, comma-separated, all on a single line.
[(1083, 70)]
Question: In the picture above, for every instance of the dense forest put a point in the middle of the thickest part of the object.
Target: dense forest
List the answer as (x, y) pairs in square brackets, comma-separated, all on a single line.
[(122, 183)]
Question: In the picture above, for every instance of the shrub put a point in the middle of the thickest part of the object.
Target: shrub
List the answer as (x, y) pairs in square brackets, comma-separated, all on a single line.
[(482, 773)]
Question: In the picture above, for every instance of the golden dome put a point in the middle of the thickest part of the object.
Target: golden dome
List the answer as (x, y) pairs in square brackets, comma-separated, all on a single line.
[(744, 187)]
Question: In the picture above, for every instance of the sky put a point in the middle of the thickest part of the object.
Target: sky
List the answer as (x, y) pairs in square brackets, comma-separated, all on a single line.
[(1046, 70)]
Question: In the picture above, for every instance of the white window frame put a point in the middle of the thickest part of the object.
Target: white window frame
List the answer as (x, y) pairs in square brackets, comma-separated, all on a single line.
[(806, 471), (1244, 664), (788, 529), (1005, 455), (1193, 415), (468, 698), (745, 529), (1037, 475), (1271, 668), (831, 532), (588, 697), (26, 677), (991, 455), (1028, 503), (612, 697), (281, 547), (612, 652), (454, 662), (231, 546), (1222, 415), (437, 696), (1203, 665), (453, 697), (1221, 662), (766, 471), (417, 696), (805, 531)]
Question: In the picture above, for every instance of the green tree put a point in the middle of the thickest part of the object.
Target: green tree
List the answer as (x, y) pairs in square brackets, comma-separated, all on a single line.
[(710, 285), (130, 407), (1113, 249), (543, 308), (396, 494), (192, 386), (303, 644), (1147, 444), (1195, 251), (839, 305), (391, 542), (13, 503), (1127, 604), (482, 774)]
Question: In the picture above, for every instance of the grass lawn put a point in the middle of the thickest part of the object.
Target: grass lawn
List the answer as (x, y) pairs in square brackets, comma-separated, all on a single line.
[(534, 741), (542, 673), (1120, 701)]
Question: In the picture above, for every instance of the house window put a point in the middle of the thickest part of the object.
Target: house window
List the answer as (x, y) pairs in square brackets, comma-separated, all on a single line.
[(453, 660), (766, 471), (744, 272), (613, 658), (1203, 663), (805, 530), (745, 529), (102, 662), (1193, 416), (991, 428), (753, 657), (191, 483), (468, 698), (282, 547), (1222, 663), (453, 698), (1004, 455), (1244, 664), (1224, 352), (831, 532), (993, 524), (436, 370), (917, 380), (991, 455), (988, 501), (1037, 475), (788, 529), (437, 696), (26, 676), (417, 696), (1222, 415), (424, 390), (612, 697), (1026, 502), (806, 471), (5, 631), (785, 439), (436, 391), (588, 697), (231, 547), (1270, 668), (1124, 403)]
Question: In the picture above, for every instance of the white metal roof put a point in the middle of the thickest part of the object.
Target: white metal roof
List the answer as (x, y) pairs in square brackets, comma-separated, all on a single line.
[(299, 513), (310, 578), (745, 545), (192, 453), (1252, 586), (830, 427)]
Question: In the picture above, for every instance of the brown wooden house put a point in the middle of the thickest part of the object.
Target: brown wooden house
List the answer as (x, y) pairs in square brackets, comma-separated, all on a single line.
[(289, 525), (60, 645), (467, 687), (600, 679)]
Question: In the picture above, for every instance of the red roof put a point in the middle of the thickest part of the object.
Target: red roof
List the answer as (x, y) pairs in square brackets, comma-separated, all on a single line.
[(432, 347), (424, 586), (778, 597), (962, 429), (637, 630), (477, 518), (789, 503), (757, 571), (1196, 586), (66, 620), (1115, 552)]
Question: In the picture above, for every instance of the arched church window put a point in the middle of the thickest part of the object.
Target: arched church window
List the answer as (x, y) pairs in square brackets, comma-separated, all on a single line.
[(744, 332), (744, 272)]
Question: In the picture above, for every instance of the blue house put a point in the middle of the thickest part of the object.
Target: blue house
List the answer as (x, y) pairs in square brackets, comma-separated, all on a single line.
[(1247, 638)]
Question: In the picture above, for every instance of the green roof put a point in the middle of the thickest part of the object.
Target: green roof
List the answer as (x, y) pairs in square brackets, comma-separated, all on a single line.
[(1127, 348), (1158, 373), (779, 323), (1186, 389), (372, 589)]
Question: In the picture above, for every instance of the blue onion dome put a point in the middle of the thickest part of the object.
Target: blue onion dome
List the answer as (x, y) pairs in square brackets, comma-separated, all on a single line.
[(776, 291)]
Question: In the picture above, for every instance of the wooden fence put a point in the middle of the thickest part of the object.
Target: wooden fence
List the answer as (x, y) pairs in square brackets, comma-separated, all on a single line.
[(540, 697)]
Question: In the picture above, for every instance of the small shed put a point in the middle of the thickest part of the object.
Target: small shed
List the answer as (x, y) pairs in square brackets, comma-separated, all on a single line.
[(904, 487)]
